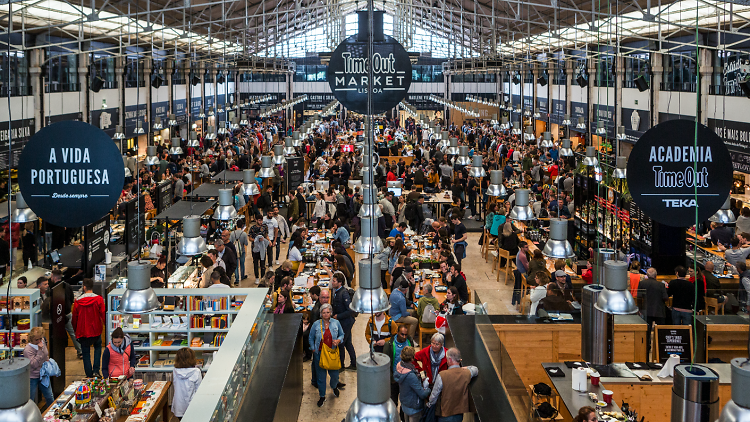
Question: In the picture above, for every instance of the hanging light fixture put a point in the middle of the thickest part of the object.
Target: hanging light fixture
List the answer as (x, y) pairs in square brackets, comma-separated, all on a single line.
[(176, 148), (139, 128), (119, 134), (496, 186), (192, 243), (193, 140), (581, 123), (600, 129), (210, 134), (370, 296), (297, 138), (225, 211), (537, 115), (373, 403), (172, 120), (289, 146), (235, 124), (15, 405), (22, 213), (244, 121), (201, 115), (210, 111), (278, 154), (505, 125), (477, 169), (139, 297), (370, 207), (590, 159), (463, 156), (527, 112), (621, 133), (724, 214), (516, 128), (453, 148), (566, 151), (368, 242), (444, 142), (222, 127), (522, 211), (615, 298), (151, 158), (546, 140), (621, 168), (157, 124), (528, 136), (266, 167), (558, 246), (566, 120), (249, 184), (738, 408)]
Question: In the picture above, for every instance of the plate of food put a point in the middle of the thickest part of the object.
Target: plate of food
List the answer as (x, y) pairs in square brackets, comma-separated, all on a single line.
[(441, 289)]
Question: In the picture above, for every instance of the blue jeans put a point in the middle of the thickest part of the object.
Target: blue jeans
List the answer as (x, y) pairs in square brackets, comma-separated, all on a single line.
[(86, 343), (36, 384), (322, 375), (239, 273), (454, 418), (72, 332), (314, 366), (681, 318)]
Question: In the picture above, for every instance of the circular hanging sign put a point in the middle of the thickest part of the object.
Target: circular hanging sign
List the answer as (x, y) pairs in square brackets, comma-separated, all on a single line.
[(71, 174), (348, 74), (663, 180)]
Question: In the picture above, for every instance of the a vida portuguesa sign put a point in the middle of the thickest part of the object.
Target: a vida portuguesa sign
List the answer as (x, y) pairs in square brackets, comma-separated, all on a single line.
[(670, 176), (348, 71), (71, 173)]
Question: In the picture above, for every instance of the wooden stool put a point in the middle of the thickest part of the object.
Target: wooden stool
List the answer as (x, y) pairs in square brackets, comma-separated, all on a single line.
[(418, 188), (712, 303), (423, 331), (525, 305), (485, 243), (508, 267)]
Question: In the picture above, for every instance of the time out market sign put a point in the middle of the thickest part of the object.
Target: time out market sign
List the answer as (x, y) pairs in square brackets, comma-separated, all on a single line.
[(348, 74), (671, 176), (71, 173)]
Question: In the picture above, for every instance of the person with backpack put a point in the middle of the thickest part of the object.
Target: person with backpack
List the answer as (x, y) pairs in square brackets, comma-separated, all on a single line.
[(427, 307), (392, 349), (412, 389), (380, 329)]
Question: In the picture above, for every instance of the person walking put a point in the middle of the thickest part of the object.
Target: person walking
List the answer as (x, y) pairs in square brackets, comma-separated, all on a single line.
[(37, 353), (452, 387), (393, 348), (326, 332), (412, 389), (88, 321), (345, 317)]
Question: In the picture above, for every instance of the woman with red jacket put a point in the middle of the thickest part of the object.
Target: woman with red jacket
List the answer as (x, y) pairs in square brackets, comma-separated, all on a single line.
[(431, 359), (119, 356)]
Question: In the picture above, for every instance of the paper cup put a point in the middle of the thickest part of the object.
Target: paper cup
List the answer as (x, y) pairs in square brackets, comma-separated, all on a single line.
[(607, 396), (594, 378)]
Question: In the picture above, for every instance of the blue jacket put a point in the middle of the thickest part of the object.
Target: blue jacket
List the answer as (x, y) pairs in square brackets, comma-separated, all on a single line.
[(398, 305), (342, 235), (411, 393), (397, 233), (340, 304), (316, 333)]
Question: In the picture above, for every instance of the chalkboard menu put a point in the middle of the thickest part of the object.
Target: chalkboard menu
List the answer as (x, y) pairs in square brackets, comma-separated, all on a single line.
[(133, 213), (95, 241), (163, 196), (674, 340), (295, 169)]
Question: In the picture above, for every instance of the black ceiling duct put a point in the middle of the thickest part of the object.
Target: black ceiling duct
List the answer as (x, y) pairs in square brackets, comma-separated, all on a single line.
[(582, 82), (157, 81), (516, 79), (377, 26), (97, 83)]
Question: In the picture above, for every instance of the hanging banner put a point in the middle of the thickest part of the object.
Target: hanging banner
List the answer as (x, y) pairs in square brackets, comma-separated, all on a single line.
[(71, 174), (736, 71), (636, 123), (179, 109), (95, 241), (662, 178), (350, 64), (19, 134), (542, 106), (559, 109), (133, 114), (106, 120), (295, 168), (160, 109), (605, 113), (736, 136), (163, 196)]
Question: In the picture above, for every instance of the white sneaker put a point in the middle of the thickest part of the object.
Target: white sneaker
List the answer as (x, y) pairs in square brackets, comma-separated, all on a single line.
[(257, 281), (277, 262)]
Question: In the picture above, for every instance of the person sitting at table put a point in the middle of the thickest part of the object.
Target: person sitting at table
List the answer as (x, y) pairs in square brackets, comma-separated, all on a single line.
[(537, 263), (457, 279), (562, 279), (294, 255), (586, 414), (283, 303), (452, 305), (398, 271), (401, 311), (398, 247), (398, 231), (340, 232), (554, 300), (538, 289), (285, 270), (285, 287), (379, 330), (422, 306)]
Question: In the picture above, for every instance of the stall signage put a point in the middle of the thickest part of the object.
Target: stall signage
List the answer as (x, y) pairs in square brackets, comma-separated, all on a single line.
[(736, 71), (221, 99), (163, 196), (134, 211), (736, 136), (559, 108), (315, 100), (605, 113), (295, 172), (179, 109), (673, 340), (671, 178), (348, 73), (96, 240), (71, 174), (107, 120), (133, 114), (579, 110), (18, 135), (636, 123), (160, 109), (195, 106), (542, 106), (209, 102)]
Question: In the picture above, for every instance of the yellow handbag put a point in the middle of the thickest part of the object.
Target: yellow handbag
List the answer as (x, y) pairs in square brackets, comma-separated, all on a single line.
[(329, 357)]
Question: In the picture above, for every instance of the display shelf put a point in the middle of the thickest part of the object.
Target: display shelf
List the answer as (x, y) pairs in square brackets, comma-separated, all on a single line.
[(29, 304), (217, 323)]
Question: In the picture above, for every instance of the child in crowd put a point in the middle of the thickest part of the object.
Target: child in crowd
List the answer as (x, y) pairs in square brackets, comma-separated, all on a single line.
[(186, 378)]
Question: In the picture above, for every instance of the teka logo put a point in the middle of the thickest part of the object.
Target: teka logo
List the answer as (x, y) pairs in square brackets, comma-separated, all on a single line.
[(680, 203)]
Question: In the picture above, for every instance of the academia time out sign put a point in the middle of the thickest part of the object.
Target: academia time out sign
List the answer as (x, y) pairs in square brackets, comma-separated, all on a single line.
[(348, 74), (671, 176), (71, 173)]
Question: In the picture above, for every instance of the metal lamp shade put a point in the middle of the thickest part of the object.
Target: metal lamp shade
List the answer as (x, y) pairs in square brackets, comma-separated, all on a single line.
[(192, 243), (14, 402), (590, 159), (139, 298), (581, 123), (157, 124), (546, 140), (235, 124), (558, 246), (368, 242), (370, 207), (516, 128), (289, 146), (225, 211), (453, 148), (119, 134), (297, 139), (724, 214), (244, 121), (463, 156), (529, 134), (621, 133), (22, 213), (370, 296), (151, 158), (522, 211), (616, 298), (249, 184), (566, 120), (193, 141), (477, 170), (505, 124), (176, 148), (210, 133), (139, 128), (738, 408), (278, 155), (600, 129), (222, 128), (266, 170), (373, 402), (496, 187), (621, 171), (566, 151), (172, 120)]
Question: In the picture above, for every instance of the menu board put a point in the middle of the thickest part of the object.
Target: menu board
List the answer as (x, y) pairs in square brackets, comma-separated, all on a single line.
[(295, 168), (163, 196), (134, 212), (96, 239), (674, 340)]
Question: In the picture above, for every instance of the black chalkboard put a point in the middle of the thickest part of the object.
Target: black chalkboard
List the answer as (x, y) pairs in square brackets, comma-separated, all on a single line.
[(295, 169), (674, 340), (163, 196), (95, 241), (132, 214)]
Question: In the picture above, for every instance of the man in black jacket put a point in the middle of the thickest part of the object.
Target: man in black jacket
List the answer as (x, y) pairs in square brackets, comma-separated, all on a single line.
[(302, 202), (229, 255), (344, 315), (265, 202)]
